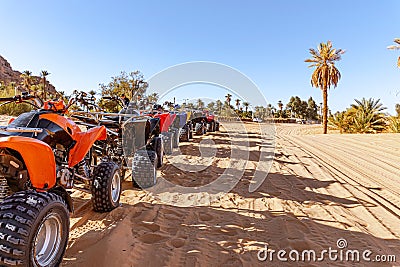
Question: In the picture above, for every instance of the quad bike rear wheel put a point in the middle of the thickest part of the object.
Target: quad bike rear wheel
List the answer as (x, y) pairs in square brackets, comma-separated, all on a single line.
[(159, 148), (199, 128), (217, 126), (168, 143), (106, 187), (175, 140), (144, 173), (190, 128), (34, 229), (184, 134)]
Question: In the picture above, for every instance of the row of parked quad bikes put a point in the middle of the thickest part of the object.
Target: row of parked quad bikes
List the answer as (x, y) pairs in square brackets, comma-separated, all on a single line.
[(44, 153)]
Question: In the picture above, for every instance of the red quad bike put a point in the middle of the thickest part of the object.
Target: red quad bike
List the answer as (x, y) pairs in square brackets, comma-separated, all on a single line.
[(212, 122), (42, 154), (133, 140), (169, 134)]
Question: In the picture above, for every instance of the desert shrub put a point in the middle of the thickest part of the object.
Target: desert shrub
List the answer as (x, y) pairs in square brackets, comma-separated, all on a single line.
[(12, 109), (394, 124), (365, 116), (340, 121)]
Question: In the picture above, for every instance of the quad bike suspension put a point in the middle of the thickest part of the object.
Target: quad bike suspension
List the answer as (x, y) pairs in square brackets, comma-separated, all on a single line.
[(83, 169)]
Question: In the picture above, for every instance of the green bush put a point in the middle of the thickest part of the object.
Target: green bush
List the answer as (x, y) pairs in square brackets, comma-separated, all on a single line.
[(12, 109)]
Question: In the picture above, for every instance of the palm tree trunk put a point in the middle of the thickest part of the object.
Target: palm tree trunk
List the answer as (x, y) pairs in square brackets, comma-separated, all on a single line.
[(44, 89), (325, 110)]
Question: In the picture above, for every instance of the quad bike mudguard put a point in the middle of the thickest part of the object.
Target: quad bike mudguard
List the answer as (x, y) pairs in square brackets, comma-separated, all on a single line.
[(164, 121), (38, 158), (84, 141), (135, 135)]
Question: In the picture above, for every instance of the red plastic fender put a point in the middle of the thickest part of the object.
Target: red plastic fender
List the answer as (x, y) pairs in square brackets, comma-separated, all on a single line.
[(38, 158), (164, 118)]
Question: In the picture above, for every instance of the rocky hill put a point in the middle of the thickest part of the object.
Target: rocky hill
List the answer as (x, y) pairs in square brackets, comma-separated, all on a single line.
[(7, 75)]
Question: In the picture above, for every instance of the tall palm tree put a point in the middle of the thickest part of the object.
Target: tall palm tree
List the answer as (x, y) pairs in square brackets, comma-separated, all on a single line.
[(43, 75), (246, 105), (237, 103), (228, 98), (26, 80), (280, 106), (325, 74), (396, 47)]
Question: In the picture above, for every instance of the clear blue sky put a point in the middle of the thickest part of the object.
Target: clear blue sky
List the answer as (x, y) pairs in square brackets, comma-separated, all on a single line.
[(84, 43)]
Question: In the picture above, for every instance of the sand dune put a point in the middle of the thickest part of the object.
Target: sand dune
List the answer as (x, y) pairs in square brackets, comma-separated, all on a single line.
[(320, 188)]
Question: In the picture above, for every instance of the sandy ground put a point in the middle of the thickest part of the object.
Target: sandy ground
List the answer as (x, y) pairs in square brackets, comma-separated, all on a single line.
[(320, 188)]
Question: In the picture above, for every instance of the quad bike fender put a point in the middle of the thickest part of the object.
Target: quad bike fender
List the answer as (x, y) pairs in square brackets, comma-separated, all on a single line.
[(59, 190), (38, 158), (84, 141)]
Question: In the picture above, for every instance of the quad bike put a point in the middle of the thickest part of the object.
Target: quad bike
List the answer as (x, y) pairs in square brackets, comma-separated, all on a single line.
[(182, 127), (42, 154), (199, 120), (133, 140), (169, 134), (212, 122)]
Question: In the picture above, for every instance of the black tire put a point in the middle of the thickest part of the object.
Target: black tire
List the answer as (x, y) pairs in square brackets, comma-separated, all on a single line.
[(217, 126), (159, 148), (199, 128), (190, 131), (144, 174), (168, 146), (213, 126), (175, 140), (106, 187), (34, 229), (209, 127), (184, 134)]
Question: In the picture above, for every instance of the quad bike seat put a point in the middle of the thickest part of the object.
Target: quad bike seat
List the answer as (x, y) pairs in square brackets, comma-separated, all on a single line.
[(109, 123)]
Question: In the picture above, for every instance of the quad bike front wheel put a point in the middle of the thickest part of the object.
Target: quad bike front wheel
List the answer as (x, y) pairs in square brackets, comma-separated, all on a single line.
[(106, 187), (144, 173), (34, 229)]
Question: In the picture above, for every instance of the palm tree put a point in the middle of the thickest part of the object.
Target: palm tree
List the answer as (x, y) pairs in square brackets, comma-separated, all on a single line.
[(368, 105), (26, 80), (200, 104), (325, 74), (396, 47), (246, 105), (367, 116), (43, 75), (219, 106), (397, 108), (237, 103), (228, 99), (280, 106)]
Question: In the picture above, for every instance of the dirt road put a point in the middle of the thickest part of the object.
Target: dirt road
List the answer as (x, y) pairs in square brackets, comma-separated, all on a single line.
[(320, 189)]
